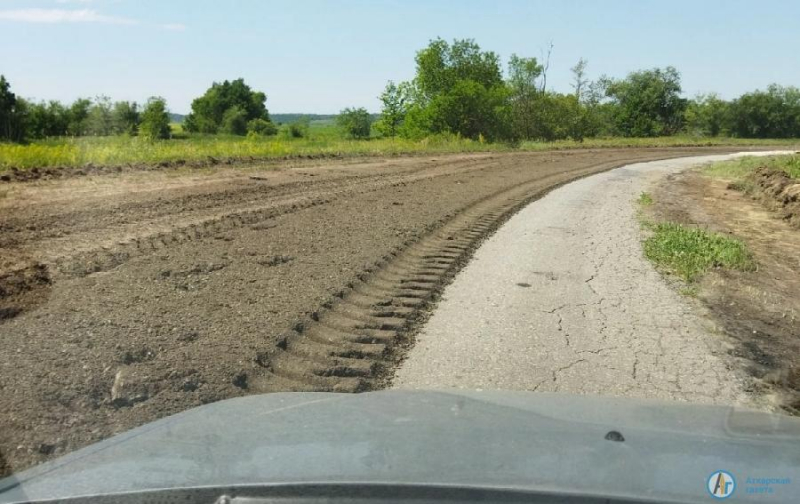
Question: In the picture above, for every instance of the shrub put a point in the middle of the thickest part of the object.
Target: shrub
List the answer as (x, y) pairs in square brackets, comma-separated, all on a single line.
[(356, 122), (261, 127)]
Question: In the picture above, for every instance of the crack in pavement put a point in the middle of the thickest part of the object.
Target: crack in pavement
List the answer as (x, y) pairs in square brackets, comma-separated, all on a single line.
[(631, 333)]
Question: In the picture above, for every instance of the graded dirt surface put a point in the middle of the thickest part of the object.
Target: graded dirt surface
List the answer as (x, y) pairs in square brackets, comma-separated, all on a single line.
[(562, 299), (125, 298), (758, 310)]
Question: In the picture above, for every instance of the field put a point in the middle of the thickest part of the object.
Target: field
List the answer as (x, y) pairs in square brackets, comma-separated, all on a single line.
[(132, 296), (323, 141)]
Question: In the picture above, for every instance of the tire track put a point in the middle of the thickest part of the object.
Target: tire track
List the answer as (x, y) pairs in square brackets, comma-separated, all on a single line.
[(353, 342)]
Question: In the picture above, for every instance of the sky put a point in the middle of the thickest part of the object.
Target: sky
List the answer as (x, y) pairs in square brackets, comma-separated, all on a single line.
[(321, 56)]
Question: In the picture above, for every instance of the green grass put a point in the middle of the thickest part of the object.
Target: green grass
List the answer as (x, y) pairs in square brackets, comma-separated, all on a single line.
[(125, 150), (739, 169), (689, 252), (324, 140), (672, 141), (645, 199)]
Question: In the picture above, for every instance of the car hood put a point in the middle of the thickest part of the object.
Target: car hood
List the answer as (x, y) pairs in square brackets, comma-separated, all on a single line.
[(555, 443)]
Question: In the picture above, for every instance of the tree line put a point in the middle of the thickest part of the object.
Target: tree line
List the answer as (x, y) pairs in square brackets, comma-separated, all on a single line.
[(458, 89), (22, 119)]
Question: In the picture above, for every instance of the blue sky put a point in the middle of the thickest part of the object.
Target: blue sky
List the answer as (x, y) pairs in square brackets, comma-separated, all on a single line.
[(321, 56)]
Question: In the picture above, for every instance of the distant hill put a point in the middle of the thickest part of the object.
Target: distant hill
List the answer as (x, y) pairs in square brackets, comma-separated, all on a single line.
[(290, 118), (283, 118)]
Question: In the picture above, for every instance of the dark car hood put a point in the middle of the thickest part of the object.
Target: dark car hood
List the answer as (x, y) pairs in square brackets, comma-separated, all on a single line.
[(518, 440)]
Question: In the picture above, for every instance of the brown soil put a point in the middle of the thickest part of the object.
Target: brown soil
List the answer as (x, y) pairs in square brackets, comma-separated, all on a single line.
[(780, 192), (128, 297), (759, 310)]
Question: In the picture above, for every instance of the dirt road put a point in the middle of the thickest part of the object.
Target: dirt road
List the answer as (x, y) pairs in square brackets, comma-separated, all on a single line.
[(561, 299), (130, 297)]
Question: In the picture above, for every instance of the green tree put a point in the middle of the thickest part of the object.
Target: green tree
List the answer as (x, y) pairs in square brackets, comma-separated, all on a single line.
[(395, 101), (524, 88), (774, 113), (440, 66), (234, 121), (79, 117), (472, 111), (208, 111), (125, 118), (8, 109), (648, 103), (707, 115), (155, 119), (457, 89), (46, 119), (355, 122), (100, 120)]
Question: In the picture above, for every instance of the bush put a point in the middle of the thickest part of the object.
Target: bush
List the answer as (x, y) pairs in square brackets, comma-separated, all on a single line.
[(155, 120), (297, 129), (261, 127), (356, 122)]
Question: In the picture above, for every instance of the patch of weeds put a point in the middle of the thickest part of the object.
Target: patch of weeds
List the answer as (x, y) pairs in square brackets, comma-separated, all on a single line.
[(645, 199), (745, 186), (689, 291), (689, 252), (739, 169)]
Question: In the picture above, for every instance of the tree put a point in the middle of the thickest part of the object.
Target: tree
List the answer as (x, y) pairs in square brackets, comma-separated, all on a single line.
[(155, 119), (579, 80), (8, 105), (648, 103), (125, 117), (581, 120), (208, 111), (356, 122), (458, 89), (774, 113), (79, 117), (100, 121), (440, 66), (707, 115), (234, 121), (395, 100), (523, 76), (472, 111), (46, 119)]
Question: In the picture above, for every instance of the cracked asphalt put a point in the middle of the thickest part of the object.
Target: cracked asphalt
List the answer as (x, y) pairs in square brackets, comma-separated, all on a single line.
[(561, 299)]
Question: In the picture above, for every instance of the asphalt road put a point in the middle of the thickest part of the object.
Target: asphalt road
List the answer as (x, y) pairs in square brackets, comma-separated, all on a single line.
[(561, 299)]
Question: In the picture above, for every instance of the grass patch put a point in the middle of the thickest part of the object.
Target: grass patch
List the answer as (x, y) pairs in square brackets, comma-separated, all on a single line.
[(322, 141), (689, 252), (740, 169), (645, 199), (671, 141)]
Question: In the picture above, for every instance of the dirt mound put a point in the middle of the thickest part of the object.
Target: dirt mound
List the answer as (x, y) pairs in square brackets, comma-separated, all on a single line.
[(781, 192)]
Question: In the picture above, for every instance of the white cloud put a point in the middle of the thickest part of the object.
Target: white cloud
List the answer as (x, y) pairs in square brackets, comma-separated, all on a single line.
[(173, 26), (74, 1), (62, 16)]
